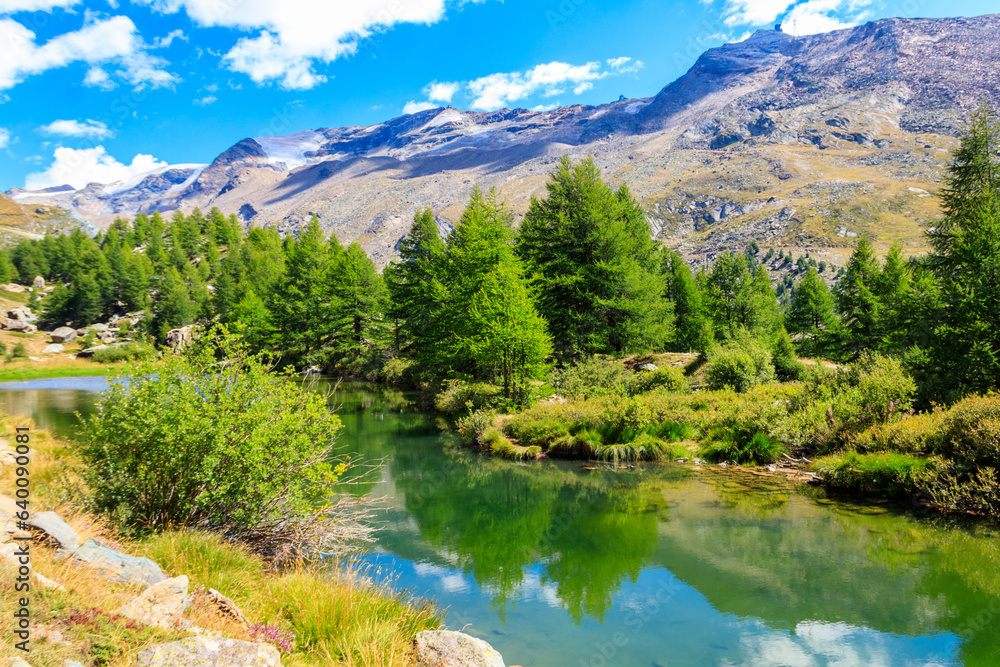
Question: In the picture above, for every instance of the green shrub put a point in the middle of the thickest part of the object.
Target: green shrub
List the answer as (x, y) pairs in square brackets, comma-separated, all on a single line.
[(399, 371), (624, 420), (885, 474), (675, 431), (787, 366), (539, 432), (583, 445), (459, 397), (919, 433), (588, 378), (665, 379), (123, 352), (504, 448), (644, 447), (744, 448), (744, 364), (231, 447), (971, 431), (474, 425), (19, 351)]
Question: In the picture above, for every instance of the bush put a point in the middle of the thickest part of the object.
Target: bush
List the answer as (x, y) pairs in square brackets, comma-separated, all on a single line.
[(873, 390), (226, 446), (885, 474), (971, 432), (644, 447), (459, 397), (536, 432), (474, 425), (19, 352), (787, 366), (399, 371), (744, 448), (666, 379), (744, 364), (123, 352), (583, 445), (589, 378), (919, 433)]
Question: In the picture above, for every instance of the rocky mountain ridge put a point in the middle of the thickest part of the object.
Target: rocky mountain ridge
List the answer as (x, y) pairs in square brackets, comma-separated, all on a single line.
[(797, 142)]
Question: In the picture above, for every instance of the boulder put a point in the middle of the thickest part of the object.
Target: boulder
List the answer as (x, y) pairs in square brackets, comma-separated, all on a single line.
[(55, 348), (443, 648), (21, 313), (89, 352), (55, 530), (209, 652), (178, 339), (18, 325), (17, 662), (226, 606), (107, 338), (63, 335), (649, 367), (161, 605), (38, 283), (14, 287), (117, 566), (99, 328), (82, 331)]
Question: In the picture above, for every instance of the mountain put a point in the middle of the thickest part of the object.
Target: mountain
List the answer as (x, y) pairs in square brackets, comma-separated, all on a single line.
[(797, 142)]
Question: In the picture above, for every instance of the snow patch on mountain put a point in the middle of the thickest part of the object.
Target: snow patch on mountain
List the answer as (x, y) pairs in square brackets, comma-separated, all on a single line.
[(129, 183), (291, 148), (445, 117)]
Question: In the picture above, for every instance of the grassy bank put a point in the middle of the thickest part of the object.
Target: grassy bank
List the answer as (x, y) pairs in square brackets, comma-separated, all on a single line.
[(54, 368), (327, 616)]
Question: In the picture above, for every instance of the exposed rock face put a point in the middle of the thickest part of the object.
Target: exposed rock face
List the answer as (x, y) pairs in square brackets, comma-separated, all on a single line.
[(38, 283), (54, 529), (21, 313), (161, 605), (19, 325), (178, 339), (63, 335), (207, 652), (774, 121), (117, 566), (53, 349), (443, 648)]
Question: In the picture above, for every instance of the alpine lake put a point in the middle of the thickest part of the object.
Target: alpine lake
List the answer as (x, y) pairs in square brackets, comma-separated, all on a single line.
[(668, 565)]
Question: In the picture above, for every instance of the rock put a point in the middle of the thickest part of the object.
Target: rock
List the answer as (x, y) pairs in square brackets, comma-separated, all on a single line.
[(18, 325), (107, 338), (443, 648), (117, 566), (209, 652), (226, 606), (55, 348), (14, 287), (21, 313), (161, 604), (99, 328), (649, 367), (17, 662), (11, 553), (63, 335), (38, 283), (177, 339), (55, 529), (72, 663), (89, 352)]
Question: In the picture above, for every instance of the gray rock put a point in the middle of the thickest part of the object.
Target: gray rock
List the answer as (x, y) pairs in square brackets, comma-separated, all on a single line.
[(178, 339), (72, 663), (160, 605), (443, 648), (649, 367), (55, 529), (227, 606), (18, 325), (55, 348), (117, 566), (99, 328), (38, 283), (63, 335), (209, 652), (17, 662), (89, 352), (21, 313)]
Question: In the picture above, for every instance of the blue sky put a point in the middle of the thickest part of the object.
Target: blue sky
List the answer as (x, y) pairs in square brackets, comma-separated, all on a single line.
[(96, 90)]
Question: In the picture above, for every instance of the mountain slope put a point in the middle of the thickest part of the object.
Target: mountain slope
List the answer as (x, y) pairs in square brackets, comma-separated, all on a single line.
[(794, 142)]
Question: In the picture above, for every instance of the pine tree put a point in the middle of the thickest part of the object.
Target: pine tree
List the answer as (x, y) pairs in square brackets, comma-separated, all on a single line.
[(811, 313), (892, 289), (692, 329), (173, 307), (251, 320), (505, 334), (415, 288), (965, 348), (301, 302), (597, 265), (358, 295), (740, 300), (858, 303)]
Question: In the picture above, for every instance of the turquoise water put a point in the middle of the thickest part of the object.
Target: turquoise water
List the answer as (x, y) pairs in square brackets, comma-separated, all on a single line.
[(571, 564)]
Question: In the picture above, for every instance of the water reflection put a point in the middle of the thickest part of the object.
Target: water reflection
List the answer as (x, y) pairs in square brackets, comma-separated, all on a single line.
[(560, 564)]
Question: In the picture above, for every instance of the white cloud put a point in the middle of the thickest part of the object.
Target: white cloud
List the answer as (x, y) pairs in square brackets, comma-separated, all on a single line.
[(205, 101), (441, 92), (4, 137), (79, 167), (164, 42), (817, 16), (545, 107), (754, 12), (293, 35), (14, 6), (583, 87), (113, 40), (98, 78), (502, 89), (414, 107), (625, 65), (74, 128)]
